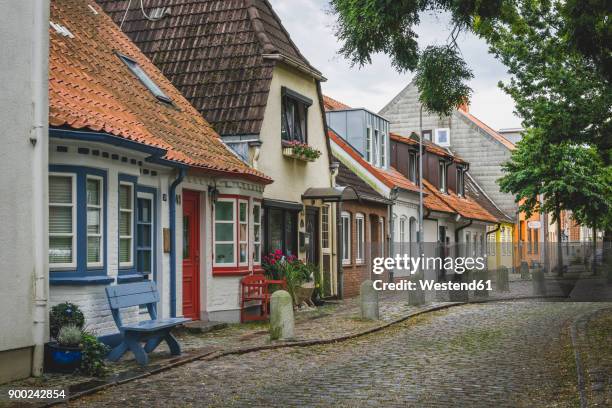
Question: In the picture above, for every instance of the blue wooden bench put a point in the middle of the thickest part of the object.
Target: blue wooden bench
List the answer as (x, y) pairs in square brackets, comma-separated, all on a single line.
[(151, 332)]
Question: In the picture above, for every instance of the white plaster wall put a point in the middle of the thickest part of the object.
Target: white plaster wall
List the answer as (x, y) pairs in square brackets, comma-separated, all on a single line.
[(92, 298), (23, 165), (292, 177)]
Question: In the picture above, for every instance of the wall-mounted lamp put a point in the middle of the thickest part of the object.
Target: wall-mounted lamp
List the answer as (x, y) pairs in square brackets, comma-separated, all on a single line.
[(333, 168), (213, 194)]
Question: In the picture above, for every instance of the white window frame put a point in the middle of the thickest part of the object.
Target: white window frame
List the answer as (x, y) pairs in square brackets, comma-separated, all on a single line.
[(383, 150), (402, 232), (130, 237), (442, 169), (460, 182), (437, 136), (325, 226), (234, 228), (368, 148), (150, 197), (102, 215), (376, 160), (346, 232), (238, 224), (360, 238), (381, 224), (257, 222), (73, 205)]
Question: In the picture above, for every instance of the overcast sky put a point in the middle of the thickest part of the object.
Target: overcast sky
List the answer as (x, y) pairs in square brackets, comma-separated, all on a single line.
[(373, 86)]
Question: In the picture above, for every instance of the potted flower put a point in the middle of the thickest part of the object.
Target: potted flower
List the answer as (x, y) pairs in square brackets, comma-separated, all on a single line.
[(72, 348), (65, 353), (297, 274), (302, 151)]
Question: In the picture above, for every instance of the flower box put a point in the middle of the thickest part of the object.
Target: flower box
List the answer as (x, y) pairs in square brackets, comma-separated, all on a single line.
[(300, 151)]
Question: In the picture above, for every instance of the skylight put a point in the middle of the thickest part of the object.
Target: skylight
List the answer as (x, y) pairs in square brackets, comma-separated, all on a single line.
[(145, 79)]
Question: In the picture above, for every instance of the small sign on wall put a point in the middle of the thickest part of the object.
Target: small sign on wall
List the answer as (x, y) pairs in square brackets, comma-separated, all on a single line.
[(534, 224), (166, 240)]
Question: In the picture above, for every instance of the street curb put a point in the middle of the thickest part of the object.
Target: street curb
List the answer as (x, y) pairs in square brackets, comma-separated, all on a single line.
[(581, 321), (213, 355)]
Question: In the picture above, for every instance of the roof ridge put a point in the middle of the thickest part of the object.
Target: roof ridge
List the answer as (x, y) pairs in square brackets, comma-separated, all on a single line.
[(486, 128), (258, 28)]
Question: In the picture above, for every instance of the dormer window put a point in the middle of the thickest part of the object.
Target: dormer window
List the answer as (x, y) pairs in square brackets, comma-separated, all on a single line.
[(145, 79), (442, 179), (294, 115), (443, 137), (461, 181), (427, 135)]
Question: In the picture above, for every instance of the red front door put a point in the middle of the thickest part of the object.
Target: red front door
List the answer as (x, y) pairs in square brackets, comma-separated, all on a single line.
[(191, 254)]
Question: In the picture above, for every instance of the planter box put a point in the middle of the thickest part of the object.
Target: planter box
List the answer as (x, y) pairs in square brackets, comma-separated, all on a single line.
[(61, 359), (288, 152)]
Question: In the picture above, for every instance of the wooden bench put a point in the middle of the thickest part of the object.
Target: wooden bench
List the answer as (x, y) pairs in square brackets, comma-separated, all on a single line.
[(152, 332), (257, 288)]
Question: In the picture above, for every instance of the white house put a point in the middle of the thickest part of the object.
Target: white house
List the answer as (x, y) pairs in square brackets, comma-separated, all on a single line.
[(23, 162), (140, 185)]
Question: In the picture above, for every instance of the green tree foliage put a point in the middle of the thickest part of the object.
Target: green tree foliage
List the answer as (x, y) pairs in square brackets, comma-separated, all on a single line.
[(556, 88), (441, 78), (558, 53), (549, 178)]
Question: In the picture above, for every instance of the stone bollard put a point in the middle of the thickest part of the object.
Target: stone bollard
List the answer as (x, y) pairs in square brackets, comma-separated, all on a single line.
[(524, 269), (369, 301), (539, 282), (281, 316), (502, 283), (416, 297)]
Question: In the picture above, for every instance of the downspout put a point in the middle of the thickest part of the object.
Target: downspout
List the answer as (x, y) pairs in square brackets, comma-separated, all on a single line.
[(391, 247), (497, 255), (459, 229), (172, 193), (40, 168), (340, 249), (493, 231)]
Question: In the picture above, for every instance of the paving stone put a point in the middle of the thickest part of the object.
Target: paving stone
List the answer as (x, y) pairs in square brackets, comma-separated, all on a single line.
[(505, 354)]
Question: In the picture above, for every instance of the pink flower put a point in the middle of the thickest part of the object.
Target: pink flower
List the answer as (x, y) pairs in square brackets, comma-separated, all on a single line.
[(278, 252), (272, 261)]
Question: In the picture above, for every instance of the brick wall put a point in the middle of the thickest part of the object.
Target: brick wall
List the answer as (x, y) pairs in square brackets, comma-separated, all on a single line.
[(354, 273)]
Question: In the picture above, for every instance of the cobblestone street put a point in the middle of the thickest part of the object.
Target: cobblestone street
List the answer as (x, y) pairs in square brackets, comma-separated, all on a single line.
[(495, 354)]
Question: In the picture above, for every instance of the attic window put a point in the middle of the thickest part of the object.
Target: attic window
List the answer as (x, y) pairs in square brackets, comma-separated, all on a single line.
[(145, 79)]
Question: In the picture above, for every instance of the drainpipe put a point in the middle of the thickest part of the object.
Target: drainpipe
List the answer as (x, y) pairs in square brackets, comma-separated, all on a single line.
[(172, 193), (340, 249), (459, 229), (391, 247), (40, 168), (493, 231)]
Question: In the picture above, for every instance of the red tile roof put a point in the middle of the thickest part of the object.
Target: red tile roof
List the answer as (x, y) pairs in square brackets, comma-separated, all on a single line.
[(465, 206), (429, 146), (391, 178), (331, 104), (91, 88)]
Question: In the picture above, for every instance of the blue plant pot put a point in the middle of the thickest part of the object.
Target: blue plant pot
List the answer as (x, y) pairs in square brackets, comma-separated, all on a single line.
[(62, 359)]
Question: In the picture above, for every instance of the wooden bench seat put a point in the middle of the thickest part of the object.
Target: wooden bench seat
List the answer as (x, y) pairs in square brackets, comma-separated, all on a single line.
[(152, 332)]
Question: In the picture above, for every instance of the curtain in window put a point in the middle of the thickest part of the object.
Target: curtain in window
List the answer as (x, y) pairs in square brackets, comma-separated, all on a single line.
[(61, 228), (125, 223)]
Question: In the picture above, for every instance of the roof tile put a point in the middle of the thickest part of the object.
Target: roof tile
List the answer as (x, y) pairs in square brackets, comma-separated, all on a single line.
[(91, 88)]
